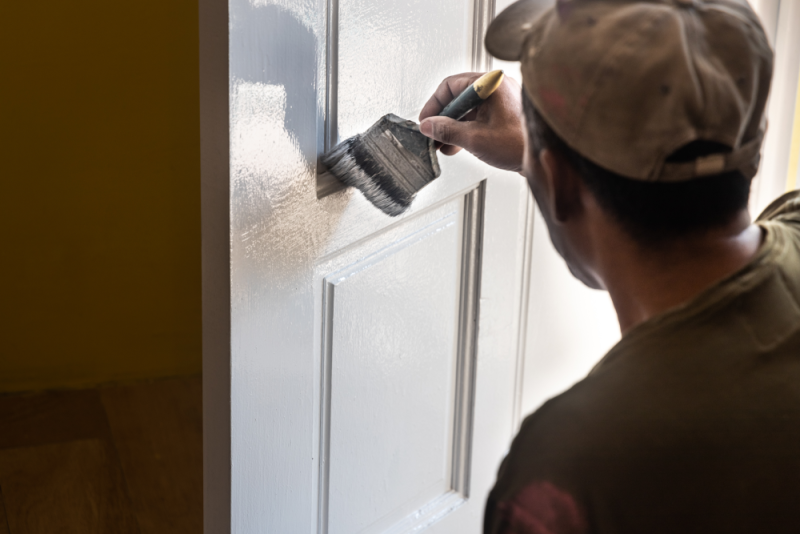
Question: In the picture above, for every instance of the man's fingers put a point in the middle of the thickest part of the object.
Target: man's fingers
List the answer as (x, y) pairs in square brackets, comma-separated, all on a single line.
[(446, 130), (493, 132), (447, 91)]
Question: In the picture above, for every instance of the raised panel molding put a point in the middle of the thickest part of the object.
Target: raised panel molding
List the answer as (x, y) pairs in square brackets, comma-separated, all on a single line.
[(483, 14), (432, 373), (524, 309)]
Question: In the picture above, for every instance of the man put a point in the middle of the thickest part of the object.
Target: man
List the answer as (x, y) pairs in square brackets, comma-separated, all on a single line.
[(643, 126)]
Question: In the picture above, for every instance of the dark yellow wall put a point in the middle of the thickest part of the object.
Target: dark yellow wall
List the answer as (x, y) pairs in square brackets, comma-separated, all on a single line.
[(100, 198)]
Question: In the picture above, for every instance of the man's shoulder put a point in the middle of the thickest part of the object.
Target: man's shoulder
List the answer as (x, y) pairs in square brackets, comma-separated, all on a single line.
[(597, 407), (785, 207), (584, 435), (603, 415), (658, 412)]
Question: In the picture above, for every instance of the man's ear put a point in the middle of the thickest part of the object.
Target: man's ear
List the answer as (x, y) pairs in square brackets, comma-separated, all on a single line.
[(563, 184)]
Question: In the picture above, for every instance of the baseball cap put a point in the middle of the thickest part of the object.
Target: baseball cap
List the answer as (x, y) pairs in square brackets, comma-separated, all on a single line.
[(627, 83)]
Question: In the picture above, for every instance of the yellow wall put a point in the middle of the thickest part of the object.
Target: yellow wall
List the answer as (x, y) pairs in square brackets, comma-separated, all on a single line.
[(100, 198), (794, 148)]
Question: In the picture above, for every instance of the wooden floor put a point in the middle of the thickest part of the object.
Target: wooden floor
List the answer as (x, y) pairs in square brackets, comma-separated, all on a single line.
[(125, 459)]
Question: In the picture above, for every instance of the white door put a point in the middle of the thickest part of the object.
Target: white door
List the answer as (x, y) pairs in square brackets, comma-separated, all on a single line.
[(360, 372)]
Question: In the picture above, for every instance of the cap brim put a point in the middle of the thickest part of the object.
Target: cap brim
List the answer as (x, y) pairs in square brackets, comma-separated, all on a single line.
[(507, 32)]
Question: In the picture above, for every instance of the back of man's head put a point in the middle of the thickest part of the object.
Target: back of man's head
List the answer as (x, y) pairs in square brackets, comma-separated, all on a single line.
[(652, 212)]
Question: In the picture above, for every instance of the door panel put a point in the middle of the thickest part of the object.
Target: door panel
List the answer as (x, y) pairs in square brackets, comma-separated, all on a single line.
[(398, 373), (359, 370), (391, 55)]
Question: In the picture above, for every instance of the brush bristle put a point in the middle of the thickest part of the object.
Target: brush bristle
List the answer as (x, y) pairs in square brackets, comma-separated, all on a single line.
[(355, 166)]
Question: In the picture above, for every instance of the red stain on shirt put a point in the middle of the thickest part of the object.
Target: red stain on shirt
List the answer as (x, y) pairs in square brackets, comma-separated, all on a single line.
[(542, 508)]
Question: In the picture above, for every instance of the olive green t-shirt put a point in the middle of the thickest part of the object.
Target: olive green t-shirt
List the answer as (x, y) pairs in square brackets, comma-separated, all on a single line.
[(690, 424)]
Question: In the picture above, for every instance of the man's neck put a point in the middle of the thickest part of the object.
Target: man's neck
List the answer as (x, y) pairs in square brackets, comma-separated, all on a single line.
[(646, 281)]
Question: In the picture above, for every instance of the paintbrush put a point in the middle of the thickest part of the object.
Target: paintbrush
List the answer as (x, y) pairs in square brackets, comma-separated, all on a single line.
[(393, 160)]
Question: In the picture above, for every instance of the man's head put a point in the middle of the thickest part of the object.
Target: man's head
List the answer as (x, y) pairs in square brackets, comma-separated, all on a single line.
[(656, 107), (650, 213)]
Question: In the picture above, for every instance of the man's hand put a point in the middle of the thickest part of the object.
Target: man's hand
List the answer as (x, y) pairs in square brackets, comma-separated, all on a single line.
[(493, 132)]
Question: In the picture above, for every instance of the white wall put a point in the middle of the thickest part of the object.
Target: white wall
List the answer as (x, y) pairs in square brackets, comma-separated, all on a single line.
[(570, 327), (781, 20)]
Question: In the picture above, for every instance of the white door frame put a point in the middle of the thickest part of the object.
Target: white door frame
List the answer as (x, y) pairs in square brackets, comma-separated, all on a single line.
[(216, 300)]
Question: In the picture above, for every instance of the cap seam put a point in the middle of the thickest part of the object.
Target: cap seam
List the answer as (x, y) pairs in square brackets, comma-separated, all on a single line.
[(751, 36), (612, 59), (657, 170), (612, 55), (691, 60)]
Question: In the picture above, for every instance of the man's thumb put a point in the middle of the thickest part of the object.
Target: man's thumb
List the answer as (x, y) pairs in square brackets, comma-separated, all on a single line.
[(445, 130)]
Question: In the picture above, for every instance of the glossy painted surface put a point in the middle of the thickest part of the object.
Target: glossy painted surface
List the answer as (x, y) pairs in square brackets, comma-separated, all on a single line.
[(283, 243), (392, 54), (392, 383)]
